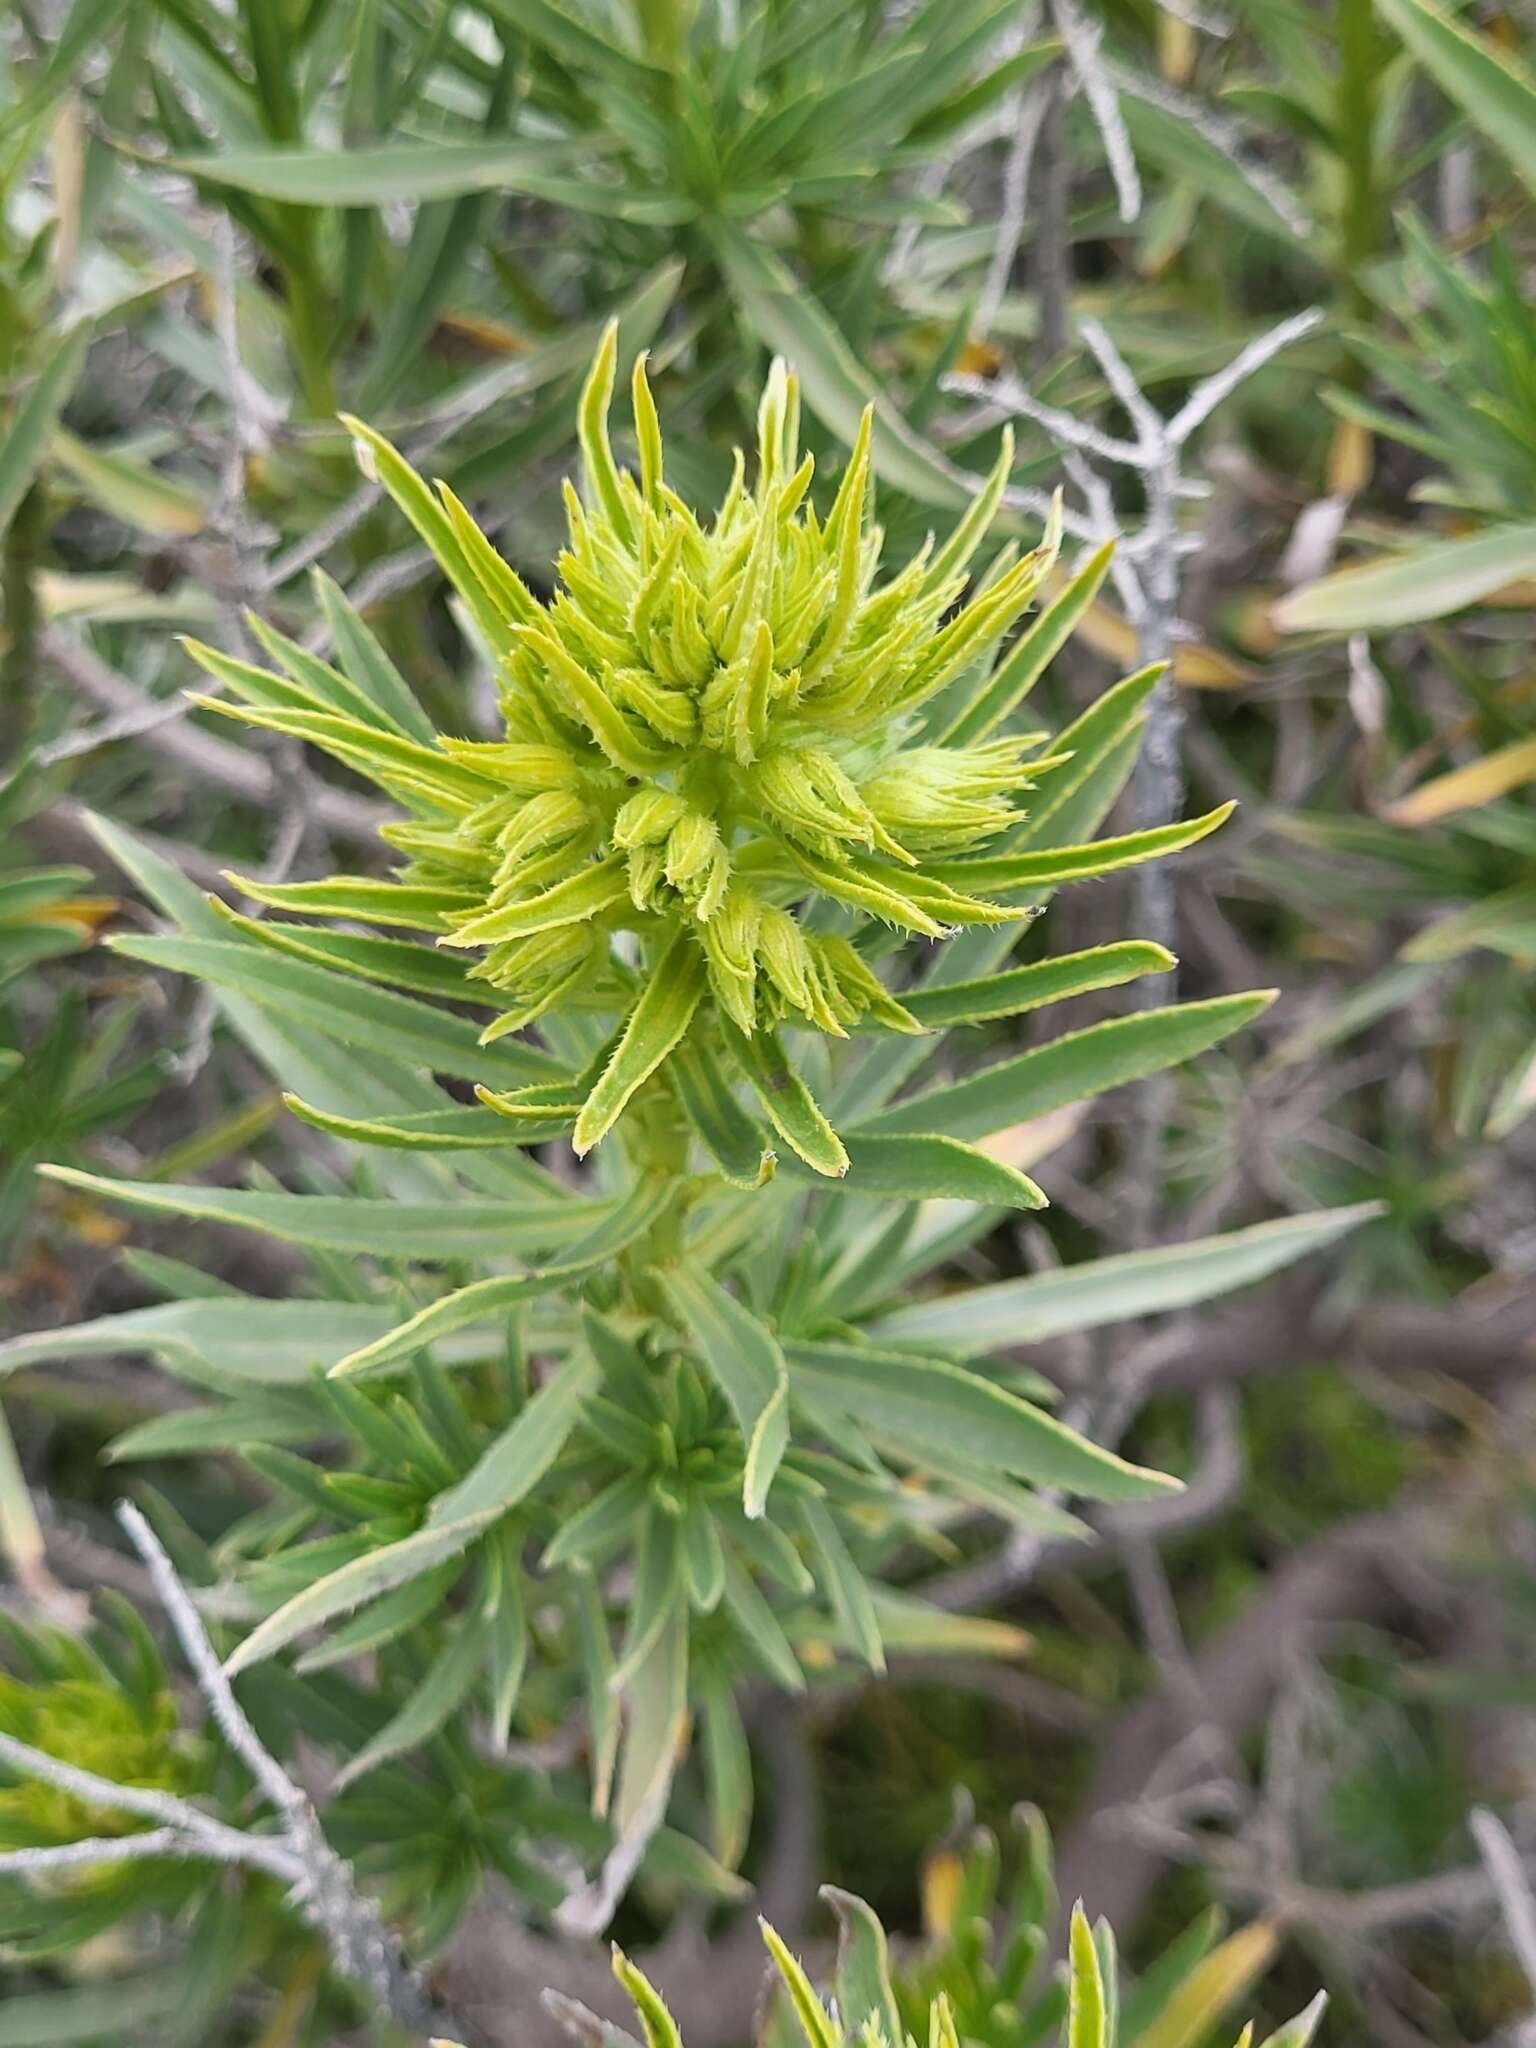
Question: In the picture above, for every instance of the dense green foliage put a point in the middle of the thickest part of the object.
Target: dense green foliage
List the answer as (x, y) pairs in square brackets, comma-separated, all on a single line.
[(536, 1137)]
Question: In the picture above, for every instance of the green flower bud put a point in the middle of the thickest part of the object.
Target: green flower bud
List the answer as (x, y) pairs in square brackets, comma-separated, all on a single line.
[(707, 728)]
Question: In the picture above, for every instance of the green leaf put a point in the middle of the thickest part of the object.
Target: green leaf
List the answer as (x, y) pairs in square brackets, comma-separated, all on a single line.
[(441, 1693), (793, 324), (703, 1557), (381, 174), (1215, 1983), (275, 1342), (940, 1005), (433, 525), (332, 689), (657, 1023), (1087, 2011), (657, 1591), (591, 1533), (789, 1104), (397, 963), (658, 1717), (574, 42), (348, 1223), (730, 1136), (141, 497), (1005, 873), (915, 1628), (844, 1584), (914, 1404), (1298, 2032), (745, 1361), (488, 1298), (758, 1629), (657, 2023), (1100, 744), (1069, 1069), (1495, 91), (1407, 589), (815, 2021), (1118, 1289), (371, 1019), (864, 1988), (232, 1425), (727, 1765), (924, 1168), (417, 1601), (365, 1578), (26, 438), (430, 1130), (999, 693), (518, 1459), (367, 666)]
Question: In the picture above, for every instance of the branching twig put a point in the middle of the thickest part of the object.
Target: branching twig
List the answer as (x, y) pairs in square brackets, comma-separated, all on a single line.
[(1082, 38), (1511, 1886), (318, 1881), (1149, 583), (1223, 135)]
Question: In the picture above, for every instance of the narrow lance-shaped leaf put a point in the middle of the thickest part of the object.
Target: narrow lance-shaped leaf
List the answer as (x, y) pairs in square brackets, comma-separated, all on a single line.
[(1000, 693), (658, 1719), (1117, 1289), (377, 1571), (441, 1693), (920, 1405), (923, 1168), (655, 1026), (742, 1355), (370, 1227), (939, 1005), (843, 1583), (659, 2027), (1429, 581), (27, 436), (864, 1988), (511, 1466), (732, 1138), (372, 1019), (789, 1104), (1087, 2013), (1069, 1069), (487, 1298), (1494, 90), (1006, 873), (815, 2020), (1211, 1989)]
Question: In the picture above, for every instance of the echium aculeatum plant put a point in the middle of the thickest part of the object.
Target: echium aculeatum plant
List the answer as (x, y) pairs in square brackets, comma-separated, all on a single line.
[(716, 757), (533, 1448)]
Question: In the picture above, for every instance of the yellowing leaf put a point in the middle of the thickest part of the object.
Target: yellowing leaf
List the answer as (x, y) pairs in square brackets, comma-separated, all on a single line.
[(1211, 1988), (1351, 458), (141, 497), (1468, 787), (1425, 582), (943, 1881)]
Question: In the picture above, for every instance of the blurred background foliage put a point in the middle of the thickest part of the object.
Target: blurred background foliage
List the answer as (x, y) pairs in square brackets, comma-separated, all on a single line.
[(222, 225)]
